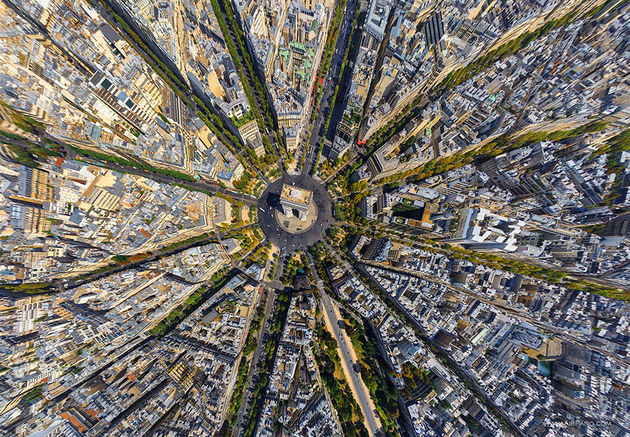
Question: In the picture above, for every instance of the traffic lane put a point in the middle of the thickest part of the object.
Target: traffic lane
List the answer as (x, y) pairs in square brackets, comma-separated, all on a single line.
[(335, 68), (267, 219), (343, 91), (250, 200), (363, 399), (255, 368)]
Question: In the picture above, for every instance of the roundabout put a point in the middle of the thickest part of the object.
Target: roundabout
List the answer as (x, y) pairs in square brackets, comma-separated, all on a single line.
[(294, 212), (291, 223)]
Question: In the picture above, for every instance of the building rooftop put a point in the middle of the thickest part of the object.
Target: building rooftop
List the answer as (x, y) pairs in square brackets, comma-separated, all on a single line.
[(295, 194)]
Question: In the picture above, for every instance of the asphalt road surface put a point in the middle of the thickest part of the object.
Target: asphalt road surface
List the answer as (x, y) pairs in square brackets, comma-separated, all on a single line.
[(362, 396), (268, 204), (318, 135), (165, 179)]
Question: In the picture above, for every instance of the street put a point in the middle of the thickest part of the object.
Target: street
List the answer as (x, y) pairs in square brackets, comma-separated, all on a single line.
[(268, 205), (331, 81), (254, 365), (356, 383)]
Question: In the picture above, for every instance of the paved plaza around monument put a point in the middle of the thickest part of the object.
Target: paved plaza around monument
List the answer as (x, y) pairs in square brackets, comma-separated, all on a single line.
[(291, 233)]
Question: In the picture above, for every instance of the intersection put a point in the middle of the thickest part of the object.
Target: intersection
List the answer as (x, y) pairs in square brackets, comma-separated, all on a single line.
[(269, 204)]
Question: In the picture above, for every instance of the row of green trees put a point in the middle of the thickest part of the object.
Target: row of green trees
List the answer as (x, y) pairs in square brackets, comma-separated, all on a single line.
[(210, 118), (162, 69), (299, 262), (29, 287), (329, 48), (221, 11), (602, 290), (329, 364), (548, 274), (498, 262), (374, 374), (26, 152), (334, 97), (239, 389), (613, 150), (348, 209), (424, 377), (236, 59), (194, 301), (243, 368), (461, 75), (502, 144), (120, 260), (23, 156), (129, 163), (456, 77), (258, 394)]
